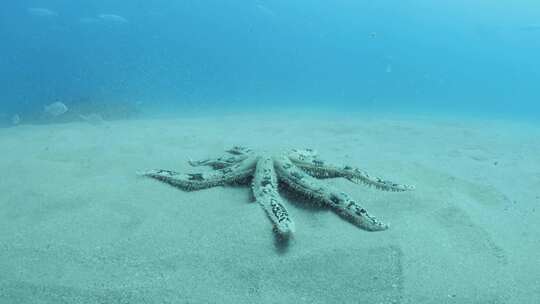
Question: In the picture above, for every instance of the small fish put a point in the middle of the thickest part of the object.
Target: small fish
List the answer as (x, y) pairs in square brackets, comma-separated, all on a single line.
[(530, 28), (93, 118), (42, 12), (56, 109), (88, 20), (388, 68), (265, 10), (16, 119), (112, 18)]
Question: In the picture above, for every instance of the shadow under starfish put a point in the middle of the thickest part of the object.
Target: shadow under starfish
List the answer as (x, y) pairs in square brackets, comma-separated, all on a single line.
[(300, 170)]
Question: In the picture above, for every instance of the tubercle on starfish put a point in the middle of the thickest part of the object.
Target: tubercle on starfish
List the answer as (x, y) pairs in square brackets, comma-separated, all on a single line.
[(298, 169)]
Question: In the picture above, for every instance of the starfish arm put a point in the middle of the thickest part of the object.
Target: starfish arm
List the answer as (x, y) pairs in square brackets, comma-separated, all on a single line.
[(298, 180), (307, 160), (197, 181), (265, 185), (239, 150), (220, 162)]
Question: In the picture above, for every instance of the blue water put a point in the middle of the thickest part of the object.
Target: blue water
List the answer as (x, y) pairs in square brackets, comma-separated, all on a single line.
[(436, 56)]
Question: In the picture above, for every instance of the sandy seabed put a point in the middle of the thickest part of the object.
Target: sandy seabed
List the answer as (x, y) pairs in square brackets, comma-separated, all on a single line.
[(79, 226)]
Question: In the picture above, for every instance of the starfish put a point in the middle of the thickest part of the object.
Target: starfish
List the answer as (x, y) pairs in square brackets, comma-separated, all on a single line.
[(298, 169)]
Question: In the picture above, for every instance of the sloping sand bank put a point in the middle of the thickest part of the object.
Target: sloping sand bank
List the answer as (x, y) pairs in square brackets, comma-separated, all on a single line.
[(78, 226)]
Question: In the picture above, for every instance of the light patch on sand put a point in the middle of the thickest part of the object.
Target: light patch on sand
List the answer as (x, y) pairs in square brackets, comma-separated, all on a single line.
[(93, 118)]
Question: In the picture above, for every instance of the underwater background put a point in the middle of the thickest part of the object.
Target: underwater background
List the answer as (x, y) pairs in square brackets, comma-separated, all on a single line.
[(421, 56), (96, 96)]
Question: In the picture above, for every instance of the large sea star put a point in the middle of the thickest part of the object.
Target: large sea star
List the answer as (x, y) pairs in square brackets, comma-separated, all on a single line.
[(297, 169)]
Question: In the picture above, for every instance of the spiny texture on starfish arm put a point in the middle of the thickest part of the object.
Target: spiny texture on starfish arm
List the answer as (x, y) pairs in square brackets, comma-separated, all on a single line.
[(308, 161), (298, 169), (265, 190)]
